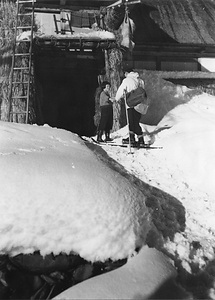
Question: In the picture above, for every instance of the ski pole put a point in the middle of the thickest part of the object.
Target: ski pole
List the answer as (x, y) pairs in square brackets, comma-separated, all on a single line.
[(129, 137)]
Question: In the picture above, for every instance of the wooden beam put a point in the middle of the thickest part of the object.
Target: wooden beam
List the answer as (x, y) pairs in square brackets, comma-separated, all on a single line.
[(185, 75), (82, 4), (180, 50), (48, 8), (171, 55), (67, 44), (124, 2), (40, 7)]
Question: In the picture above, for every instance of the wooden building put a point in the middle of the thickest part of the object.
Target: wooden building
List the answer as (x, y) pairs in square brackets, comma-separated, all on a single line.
[(67, 66), (174, 35), (174, 38)]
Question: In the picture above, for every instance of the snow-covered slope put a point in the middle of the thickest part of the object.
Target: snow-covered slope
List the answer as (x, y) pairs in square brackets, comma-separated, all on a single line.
[(183, 168), (56, 196), (189, 141)]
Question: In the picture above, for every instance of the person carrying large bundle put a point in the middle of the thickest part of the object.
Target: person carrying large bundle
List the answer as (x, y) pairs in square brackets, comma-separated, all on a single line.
[(132, 89)]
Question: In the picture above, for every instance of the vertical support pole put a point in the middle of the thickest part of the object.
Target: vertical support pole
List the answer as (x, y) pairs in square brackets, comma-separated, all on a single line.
[(30, 64), (62, 22), (126, 110), (69, 22), (55, 22)]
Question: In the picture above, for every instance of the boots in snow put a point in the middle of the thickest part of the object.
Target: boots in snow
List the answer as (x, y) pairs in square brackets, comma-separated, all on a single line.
[(132, 139), (107, 137), (99, 136), (141, 141)]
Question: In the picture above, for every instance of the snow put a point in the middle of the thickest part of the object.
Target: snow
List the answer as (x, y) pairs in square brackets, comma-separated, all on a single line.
[(184, 168), (58, 195), (192, 129), (131, 281), (84, 34), (87, 34)]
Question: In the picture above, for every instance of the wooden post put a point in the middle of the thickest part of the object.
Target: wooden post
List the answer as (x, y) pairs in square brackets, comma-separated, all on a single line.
[(113, 58), (129, 136)]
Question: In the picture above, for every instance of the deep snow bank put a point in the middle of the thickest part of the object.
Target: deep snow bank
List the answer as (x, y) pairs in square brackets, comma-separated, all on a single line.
[(148, 275), (164, 96), (189, 141), (56, 196)]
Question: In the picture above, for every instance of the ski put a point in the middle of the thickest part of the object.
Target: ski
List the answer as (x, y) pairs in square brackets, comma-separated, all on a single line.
[(102, 143), (136, 147), (126, 145)]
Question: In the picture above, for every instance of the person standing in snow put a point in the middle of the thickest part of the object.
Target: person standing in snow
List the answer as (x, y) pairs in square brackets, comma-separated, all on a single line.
[(106, 106), (130, 83)]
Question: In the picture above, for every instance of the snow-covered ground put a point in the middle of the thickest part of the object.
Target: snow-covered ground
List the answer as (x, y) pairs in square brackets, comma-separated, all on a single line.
[(59, 195), (185, 169)]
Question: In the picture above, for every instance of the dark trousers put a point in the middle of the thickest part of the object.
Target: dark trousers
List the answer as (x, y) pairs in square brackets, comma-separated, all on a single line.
[(106, 121), (134, 120)]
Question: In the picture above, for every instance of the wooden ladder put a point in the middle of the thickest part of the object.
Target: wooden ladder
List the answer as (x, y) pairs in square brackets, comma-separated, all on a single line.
[(21, 69)]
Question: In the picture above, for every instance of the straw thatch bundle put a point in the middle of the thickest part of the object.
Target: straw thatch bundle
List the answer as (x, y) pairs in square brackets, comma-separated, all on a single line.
[(7, 21), (7, 38)]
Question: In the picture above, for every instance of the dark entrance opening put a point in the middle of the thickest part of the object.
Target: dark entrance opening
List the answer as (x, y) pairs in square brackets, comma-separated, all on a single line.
[(65, 86)]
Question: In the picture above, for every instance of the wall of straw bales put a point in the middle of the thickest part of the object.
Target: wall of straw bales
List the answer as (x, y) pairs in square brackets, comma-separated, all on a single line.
[(7, 21), (4, 87), (7, 36)]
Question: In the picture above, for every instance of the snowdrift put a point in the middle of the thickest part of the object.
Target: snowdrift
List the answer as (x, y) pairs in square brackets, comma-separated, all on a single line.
[(58, 197), (164, 96), (191, 128), (148, 275)]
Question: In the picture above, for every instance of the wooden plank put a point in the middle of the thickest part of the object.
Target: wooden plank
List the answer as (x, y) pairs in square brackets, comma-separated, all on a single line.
[(70, 4), (74, 2), (46, 43), (139, 55), (172, 50)]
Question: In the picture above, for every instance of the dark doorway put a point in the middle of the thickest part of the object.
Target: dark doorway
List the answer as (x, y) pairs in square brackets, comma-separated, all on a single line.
[(65, 85)]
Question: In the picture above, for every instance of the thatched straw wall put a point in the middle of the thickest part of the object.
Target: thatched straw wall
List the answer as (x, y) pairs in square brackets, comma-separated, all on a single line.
[(7, 22), (7, 36)]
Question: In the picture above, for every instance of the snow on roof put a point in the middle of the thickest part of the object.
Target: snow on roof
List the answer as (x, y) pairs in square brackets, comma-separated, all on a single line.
[(57, 196), (88, 34), (102, 35)]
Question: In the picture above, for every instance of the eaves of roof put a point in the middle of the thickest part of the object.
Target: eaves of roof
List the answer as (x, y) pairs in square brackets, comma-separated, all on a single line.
[(174, 21), (69, 4), (161, 21)]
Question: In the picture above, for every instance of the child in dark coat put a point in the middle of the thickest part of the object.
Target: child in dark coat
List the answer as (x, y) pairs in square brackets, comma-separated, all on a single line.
[(106, 106)]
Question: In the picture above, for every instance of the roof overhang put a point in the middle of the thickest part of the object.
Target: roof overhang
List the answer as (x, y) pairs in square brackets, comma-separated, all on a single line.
[(93, 3), (79, 4), (72, 4)]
